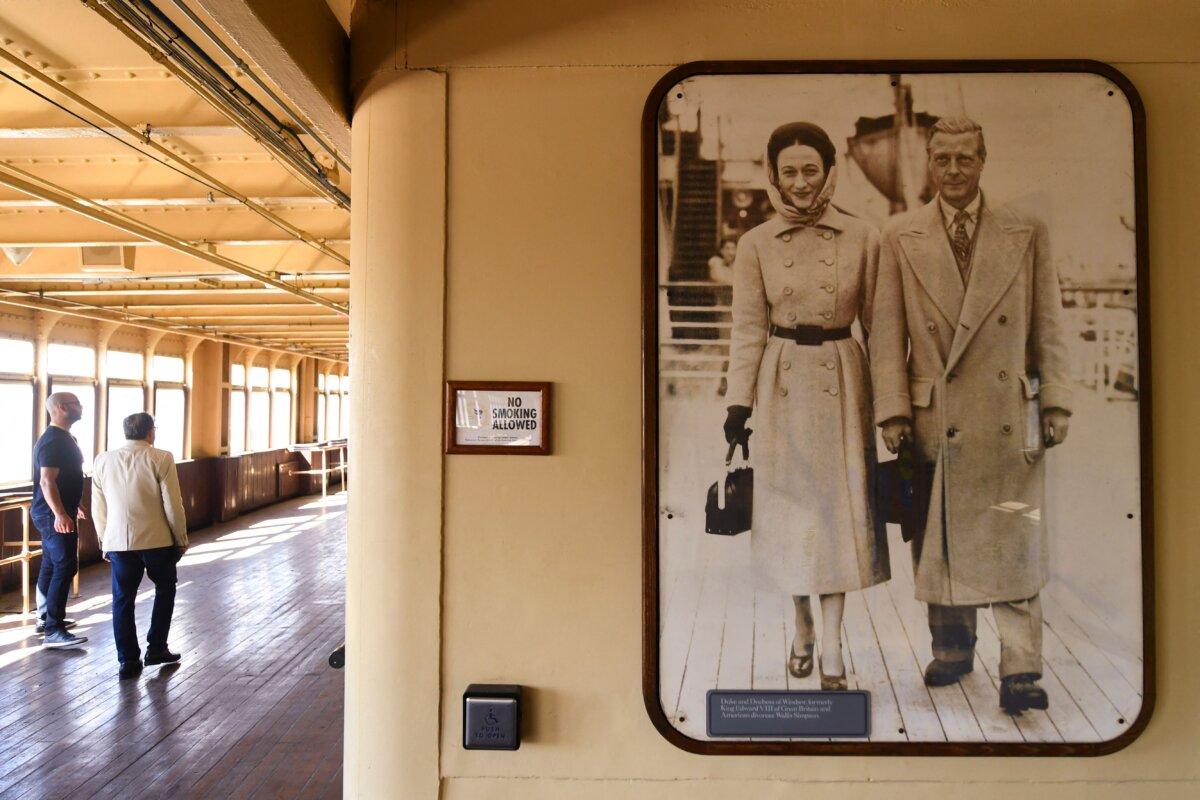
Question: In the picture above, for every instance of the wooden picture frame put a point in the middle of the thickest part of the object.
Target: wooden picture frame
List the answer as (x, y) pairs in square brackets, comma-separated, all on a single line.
[(654, 513), (541, 422)]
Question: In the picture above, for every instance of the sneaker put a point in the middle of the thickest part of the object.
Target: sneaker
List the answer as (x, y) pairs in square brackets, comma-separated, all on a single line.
[(165, 657), (130, 670), (63, 639), (41, 626)]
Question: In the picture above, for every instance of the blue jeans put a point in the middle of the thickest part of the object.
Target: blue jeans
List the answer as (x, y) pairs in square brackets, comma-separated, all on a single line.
[(60, 562), (127, 569)]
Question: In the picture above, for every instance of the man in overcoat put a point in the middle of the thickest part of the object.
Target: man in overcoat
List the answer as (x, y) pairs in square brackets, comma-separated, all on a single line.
[(969, 365)]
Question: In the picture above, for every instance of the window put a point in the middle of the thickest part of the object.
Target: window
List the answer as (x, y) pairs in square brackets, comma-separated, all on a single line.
[(334, 424), (16, 356), (345, 407), (122, 401), (168, 419), (237, 374), (167, 368), (258, 377), (71, 359), (237, 421), (281, 419), (84, 430), (123, 366), (16, 406), (260, 420), (16, 409), (281, 407), (320, 416)]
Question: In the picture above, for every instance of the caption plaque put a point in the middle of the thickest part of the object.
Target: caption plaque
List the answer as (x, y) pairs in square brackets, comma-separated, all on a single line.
[(497, 417), (788, 714)]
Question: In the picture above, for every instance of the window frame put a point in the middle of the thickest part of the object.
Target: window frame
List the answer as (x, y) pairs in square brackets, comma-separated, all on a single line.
[(29, 380)]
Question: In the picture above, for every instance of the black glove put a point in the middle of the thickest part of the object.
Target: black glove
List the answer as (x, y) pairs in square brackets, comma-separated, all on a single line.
[(735, 423)]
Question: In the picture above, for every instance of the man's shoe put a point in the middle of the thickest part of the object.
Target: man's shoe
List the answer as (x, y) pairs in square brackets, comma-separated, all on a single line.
[(944, 673), (130, 670), (165, 657), (63, 639), (1019, 692), (41, 626)]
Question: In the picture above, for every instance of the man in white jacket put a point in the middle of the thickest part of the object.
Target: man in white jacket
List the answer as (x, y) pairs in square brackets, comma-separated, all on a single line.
[(138, 513)]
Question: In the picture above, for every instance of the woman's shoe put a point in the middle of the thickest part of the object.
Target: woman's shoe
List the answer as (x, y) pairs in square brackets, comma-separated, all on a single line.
[(800, 666), (833, 683)]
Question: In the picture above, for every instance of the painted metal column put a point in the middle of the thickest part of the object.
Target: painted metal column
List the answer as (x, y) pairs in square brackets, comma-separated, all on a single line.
[(151, 345), (189, 382), (45, 322), (104, 333), (394, 575)]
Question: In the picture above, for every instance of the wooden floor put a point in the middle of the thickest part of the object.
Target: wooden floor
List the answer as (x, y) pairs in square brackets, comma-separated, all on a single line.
[(252, 711), (719, 632)]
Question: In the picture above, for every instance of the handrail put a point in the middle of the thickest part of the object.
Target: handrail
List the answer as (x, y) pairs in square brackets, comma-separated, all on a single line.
[(23, 502)]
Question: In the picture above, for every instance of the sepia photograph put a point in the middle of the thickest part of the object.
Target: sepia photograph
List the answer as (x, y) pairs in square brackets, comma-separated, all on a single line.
[(895, 399)]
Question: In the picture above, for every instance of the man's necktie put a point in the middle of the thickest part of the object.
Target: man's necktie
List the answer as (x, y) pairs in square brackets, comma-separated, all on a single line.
[(962, 242)]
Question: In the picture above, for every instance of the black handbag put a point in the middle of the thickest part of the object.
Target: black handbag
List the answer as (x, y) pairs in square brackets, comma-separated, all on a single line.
[(902, 490), (730, 505)]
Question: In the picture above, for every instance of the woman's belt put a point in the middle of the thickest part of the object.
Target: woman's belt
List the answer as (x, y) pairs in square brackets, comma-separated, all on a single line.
[(810, 334)]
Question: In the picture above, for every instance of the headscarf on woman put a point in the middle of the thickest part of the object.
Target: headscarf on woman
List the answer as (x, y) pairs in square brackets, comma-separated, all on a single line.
[(804, 133)]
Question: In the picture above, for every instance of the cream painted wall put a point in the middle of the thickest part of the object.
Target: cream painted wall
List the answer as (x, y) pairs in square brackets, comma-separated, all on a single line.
[(541, 556)]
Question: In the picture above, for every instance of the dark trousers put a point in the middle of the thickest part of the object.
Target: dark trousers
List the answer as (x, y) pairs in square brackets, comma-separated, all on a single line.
[(60, 562), (1018, 625), (127, 569)]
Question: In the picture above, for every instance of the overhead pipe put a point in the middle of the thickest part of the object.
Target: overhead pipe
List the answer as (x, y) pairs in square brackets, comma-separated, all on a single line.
[(262, 85), (178, 160), (152, 30), (22, 181)]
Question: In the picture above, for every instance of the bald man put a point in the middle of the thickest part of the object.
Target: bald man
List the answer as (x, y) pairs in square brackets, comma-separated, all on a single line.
[(57, 490)]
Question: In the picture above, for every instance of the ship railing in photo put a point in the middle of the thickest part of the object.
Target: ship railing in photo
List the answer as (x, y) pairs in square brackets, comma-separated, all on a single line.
[(694, 322)]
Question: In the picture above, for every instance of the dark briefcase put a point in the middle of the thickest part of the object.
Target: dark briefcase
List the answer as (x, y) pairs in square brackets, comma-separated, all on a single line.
[(730, 505), (902, 490)]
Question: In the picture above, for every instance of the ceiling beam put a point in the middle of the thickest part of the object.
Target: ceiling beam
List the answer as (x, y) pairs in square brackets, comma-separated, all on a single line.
[(191, 224), (142, 141), (144, 243), (22, 181), (230, 309), (302, 47), (159, 35), (181, 202), (90, 132), (84, 311), (155, 292)]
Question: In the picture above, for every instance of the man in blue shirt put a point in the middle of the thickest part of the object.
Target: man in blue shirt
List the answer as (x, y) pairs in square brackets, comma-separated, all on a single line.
[(57, 490)]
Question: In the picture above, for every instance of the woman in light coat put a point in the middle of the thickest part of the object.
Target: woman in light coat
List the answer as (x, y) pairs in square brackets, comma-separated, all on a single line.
[(800, 281)]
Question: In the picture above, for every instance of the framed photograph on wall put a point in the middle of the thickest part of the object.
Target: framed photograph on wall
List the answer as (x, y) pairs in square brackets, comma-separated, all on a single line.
[(897, 412)]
